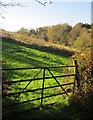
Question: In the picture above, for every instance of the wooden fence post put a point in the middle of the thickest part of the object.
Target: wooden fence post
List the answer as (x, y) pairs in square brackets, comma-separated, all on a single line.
[(77, 74)]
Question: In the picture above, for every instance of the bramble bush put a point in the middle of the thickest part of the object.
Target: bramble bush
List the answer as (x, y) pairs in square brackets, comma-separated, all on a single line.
[(82, 100)]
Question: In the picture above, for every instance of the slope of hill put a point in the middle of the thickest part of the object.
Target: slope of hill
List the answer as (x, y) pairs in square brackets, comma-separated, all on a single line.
[(17, 54), (16, 51), (20, 43), (22, 51)]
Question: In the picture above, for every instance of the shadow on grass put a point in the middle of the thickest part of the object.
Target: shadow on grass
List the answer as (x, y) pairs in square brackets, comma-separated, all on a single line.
[(56, 111), (48, 49), (76, 109), (12, 51)]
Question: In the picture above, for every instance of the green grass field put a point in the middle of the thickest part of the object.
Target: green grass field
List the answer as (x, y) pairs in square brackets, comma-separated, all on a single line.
[(19, 55)]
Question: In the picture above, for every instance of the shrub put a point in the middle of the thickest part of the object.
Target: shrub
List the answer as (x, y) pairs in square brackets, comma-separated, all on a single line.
[(83, 102)]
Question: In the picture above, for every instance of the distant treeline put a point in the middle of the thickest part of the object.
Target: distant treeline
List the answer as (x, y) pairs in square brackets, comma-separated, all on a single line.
[(78, 36)]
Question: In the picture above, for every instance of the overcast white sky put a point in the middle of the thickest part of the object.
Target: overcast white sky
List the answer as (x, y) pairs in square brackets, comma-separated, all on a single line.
[(35, 15)]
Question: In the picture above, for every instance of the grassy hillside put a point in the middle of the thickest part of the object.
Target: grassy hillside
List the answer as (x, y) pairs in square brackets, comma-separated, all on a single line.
[(18, 55), (33, 55), (23, 50)]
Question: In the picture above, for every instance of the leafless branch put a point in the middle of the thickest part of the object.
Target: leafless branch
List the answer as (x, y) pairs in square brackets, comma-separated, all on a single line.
[(4, 5), (42, 3), (12, 4)]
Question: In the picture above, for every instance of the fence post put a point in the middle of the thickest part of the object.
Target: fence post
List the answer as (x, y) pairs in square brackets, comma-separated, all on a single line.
[(77, 74), (42, 88)]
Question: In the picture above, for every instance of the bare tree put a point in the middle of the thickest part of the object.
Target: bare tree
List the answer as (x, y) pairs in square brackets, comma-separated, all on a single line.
[(4, 5)]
